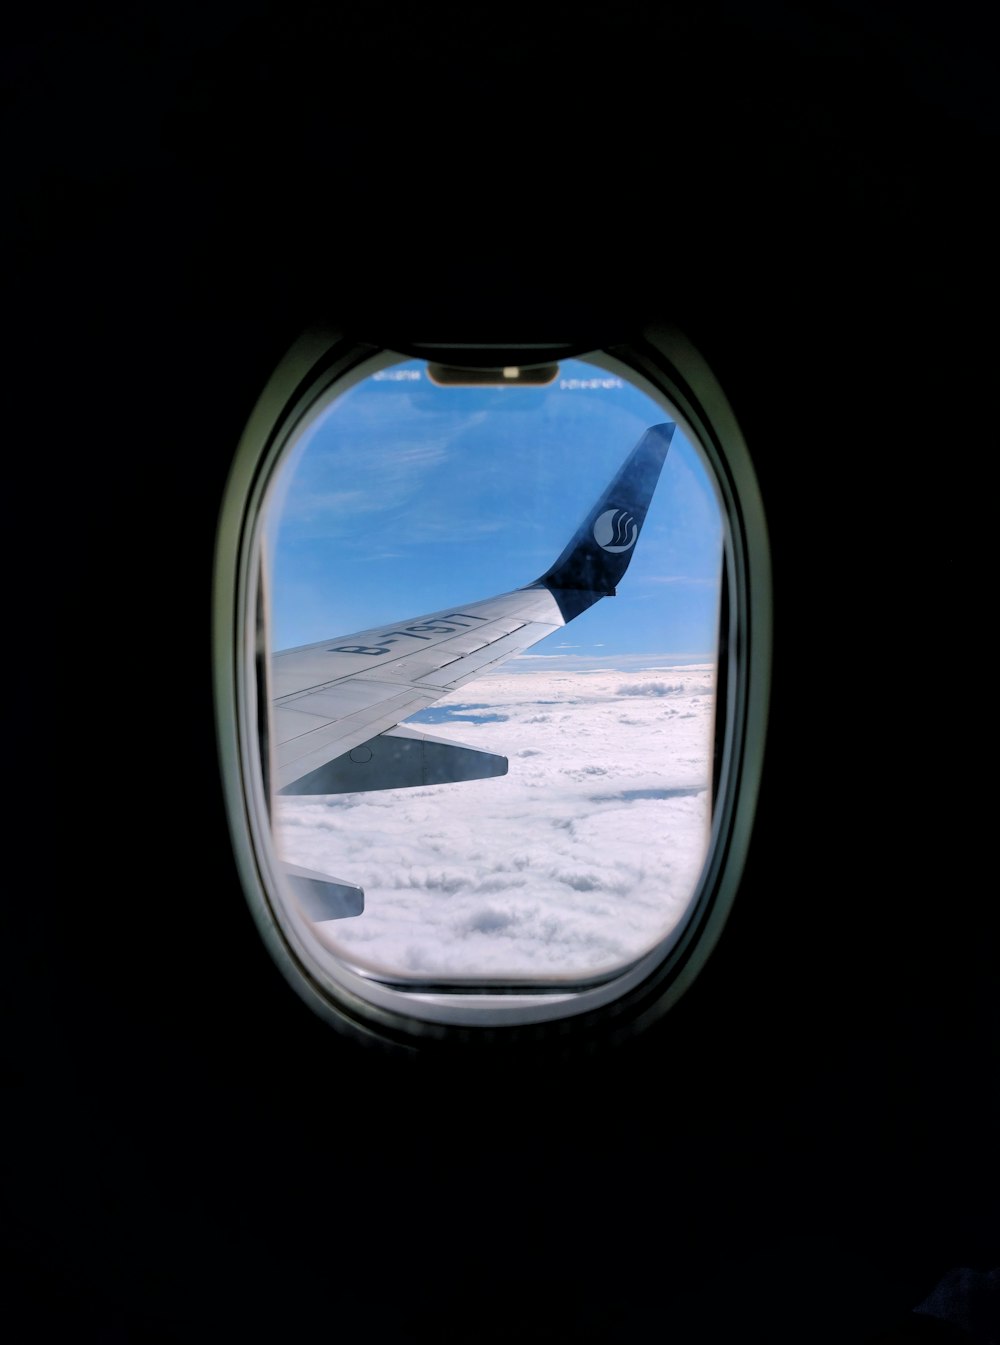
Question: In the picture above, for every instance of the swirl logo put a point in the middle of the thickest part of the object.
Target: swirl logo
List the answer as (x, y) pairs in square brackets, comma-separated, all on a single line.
[(616, 530)]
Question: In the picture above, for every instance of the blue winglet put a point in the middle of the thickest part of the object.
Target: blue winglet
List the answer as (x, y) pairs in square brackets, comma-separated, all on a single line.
[(598, 555)]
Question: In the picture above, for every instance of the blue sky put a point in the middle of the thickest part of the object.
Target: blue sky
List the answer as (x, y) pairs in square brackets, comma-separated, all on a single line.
[(406, 497)]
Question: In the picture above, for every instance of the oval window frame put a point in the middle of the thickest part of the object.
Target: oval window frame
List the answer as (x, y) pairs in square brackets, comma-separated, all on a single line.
[(667, 365)]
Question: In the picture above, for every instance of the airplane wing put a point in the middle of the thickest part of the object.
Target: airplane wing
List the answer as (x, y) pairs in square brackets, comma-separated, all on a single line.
[(338, 705)]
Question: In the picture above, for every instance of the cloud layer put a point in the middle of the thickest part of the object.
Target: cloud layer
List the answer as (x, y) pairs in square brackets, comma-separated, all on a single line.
[(579, 860)]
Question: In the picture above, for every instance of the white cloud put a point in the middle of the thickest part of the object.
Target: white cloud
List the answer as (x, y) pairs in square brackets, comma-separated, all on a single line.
[(578, 860)]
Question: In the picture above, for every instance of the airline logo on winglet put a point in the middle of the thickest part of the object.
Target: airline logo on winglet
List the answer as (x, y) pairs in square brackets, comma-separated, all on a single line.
[(616, 530)]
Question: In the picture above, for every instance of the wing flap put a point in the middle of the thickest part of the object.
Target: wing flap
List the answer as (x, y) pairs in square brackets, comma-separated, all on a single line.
[(400, 758), (322, 897)]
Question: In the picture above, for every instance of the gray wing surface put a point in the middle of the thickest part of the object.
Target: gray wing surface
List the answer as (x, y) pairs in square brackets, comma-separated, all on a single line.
[(332, 698)]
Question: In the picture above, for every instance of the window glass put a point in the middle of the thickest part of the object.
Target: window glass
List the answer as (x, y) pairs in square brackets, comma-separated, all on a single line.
[(402, 497)]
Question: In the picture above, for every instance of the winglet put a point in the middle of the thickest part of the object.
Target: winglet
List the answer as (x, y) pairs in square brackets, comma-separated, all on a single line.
[(601, 548)]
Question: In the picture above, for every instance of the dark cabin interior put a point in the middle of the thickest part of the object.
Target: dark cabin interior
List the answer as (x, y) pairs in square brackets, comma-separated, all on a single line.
[(805, 1145)]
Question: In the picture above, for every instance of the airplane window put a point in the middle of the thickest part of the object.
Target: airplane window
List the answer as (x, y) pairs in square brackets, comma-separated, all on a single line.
[(487, 685)]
